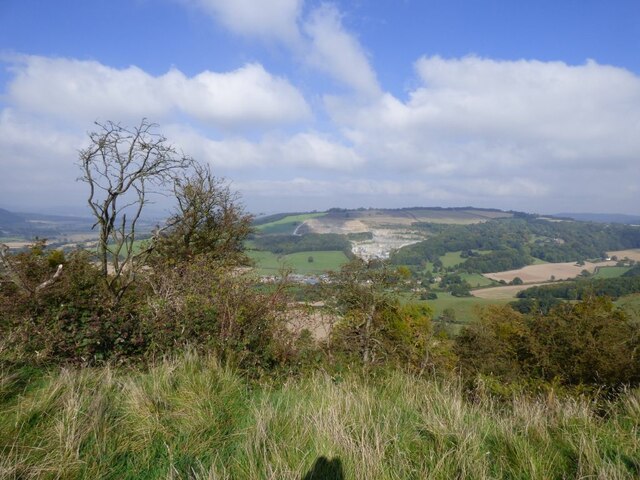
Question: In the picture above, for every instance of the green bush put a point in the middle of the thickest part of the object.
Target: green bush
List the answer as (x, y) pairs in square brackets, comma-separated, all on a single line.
[(587, 343)]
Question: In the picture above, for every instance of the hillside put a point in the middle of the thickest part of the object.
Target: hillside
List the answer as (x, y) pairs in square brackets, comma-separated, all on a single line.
[(191, 418), (18, 228), (602, 217), (367, 233)]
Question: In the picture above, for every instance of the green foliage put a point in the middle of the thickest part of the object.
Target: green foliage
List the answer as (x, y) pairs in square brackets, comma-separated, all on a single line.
[(514, 241), (585, 287), (589, 342), (376, 329), (456, 285), (208, 220), (72, 319), (497, 344), (206, 306), (360, 236), (199, 303), (499, 260)]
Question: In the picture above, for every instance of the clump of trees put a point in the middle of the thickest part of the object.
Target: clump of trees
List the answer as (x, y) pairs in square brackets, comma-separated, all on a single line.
[(126, 303), (513, 242), (586, 343)]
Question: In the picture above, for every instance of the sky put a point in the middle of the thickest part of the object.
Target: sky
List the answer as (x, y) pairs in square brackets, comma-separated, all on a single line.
[(308, 105)]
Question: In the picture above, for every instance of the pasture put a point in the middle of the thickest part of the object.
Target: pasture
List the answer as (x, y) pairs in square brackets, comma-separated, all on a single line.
[(631, 305), (287, 224), (268, 263), (610, 272), (466, 308), (451, 259), (476, 280)]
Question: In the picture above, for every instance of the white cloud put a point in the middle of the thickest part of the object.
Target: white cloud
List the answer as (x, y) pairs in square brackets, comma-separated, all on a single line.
[(271, 18), (337, 52), (319, 40), (302, 150), (37, 162), (487, 119), (86, 90)]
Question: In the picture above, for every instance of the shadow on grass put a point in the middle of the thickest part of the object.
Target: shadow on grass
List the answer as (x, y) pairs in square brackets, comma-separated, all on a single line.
[(325, 469)]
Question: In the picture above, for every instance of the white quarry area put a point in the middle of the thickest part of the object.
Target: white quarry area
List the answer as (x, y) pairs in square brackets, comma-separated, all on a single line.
[(384, 241), (388, 233)]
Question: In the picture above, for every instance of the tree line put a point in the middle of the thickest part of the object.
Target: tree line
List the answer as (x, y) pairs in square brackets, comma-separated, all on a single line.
[(514, 242)]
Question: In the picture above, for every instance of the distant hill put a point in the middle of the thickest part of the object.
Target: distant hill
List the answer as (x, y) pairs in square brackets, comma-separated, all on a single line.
[(10, 219), (30, 225), (602, 217)]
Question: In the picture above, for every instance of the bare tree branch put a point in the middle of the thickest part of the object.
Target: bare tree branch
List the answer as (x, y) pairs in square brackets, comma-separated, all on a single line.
[(119, 165)]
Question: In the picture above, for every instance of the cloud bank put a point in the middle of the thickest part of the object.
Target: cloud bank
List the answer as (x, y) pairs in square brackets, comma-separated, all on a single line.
[(522, 134)]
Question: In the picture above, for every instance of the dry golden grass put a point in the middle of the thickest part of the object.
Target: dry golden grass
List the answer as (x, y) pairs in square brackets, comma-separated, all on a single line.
[(191, 418), (632, 254), (544, 272)]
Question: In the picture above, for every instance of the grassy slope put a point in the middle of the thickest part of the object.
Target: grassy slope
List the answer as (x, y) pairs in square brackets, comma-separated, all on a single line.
[(192, 419), (610, 272), (287, 224), (476, 280)]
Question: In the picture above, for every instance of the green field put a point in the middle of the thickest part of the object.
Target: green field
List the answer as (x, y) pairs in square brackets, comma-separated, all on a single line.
[(538, 261), (288, 224), (466, 308), (451, 259), (476, 280), (268, 263), (610, 272)]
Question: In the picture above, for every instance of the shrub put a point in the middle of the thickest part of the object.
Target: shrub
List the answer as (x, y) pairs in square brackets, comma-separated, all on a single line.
[(587, 343)]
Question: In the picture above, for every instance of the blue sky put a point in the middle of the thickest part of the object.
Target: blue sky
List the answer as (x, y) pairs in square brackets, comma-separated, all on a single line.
[(531, 106)]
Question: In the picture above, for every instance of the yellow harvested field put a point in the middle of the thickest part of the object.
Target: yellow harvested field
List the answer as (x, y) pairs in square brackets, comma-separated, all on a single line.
[(633, 254), (543, 272), (499, 293)]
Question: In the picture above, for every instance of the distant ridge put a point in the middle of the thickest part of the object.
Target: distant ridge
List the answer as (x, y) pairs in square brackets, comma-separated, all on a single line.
[(8, 218), (602, 217)]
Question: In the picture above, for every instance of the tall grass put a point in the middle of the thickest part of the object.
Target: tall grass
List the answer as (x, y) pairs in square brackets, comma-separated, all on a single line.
[(191, 418)]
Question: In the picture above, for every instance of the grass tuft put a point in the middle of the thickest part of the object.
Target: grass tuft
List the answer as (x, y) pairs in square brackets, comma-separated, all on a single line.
[(190, 417)]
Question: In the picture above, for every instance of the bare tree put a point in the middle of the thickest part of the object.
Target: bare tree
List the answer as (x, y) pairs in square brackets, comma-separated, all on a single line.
[(122, 167)]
